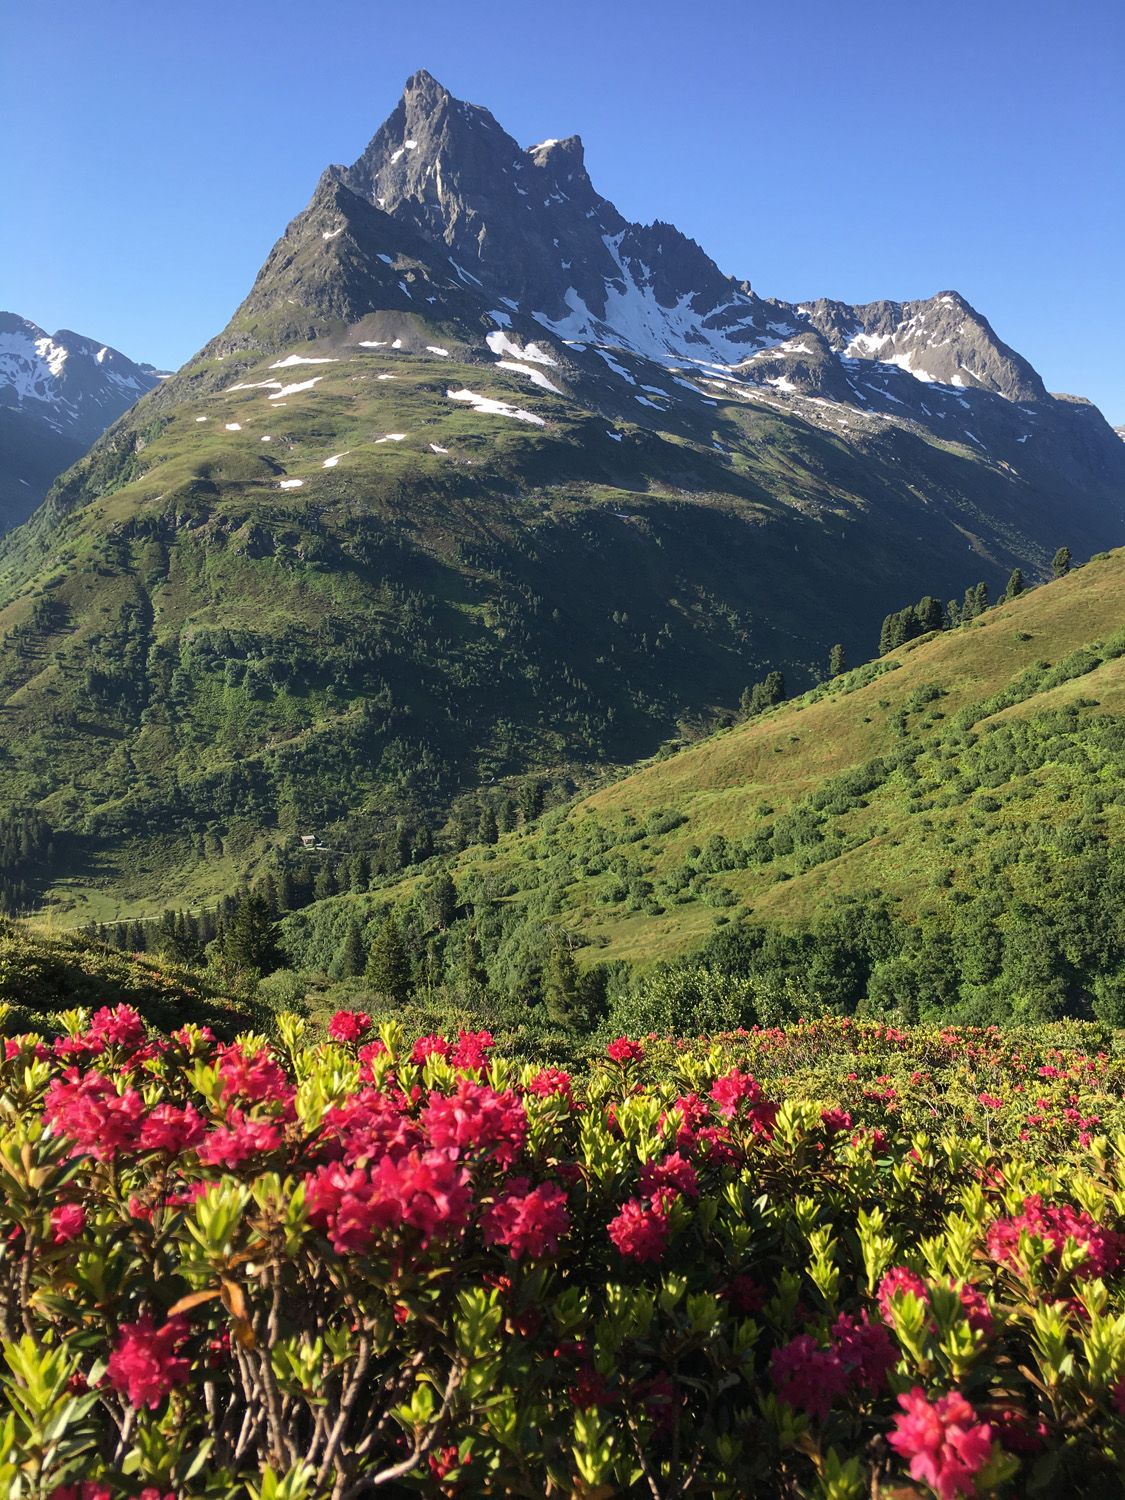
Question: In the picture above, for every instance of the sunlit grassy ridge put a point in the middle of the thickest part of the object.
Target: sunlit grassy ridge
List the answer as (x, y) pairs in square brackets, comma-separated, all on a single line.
[(992, 752)]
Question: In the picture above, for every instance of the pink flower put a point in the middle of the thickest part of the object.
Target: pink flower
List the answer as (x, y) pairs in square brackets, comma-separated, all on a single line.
[(977, 1310), (1055, 1224), (640, 1231), (624, 1051), (673, 1172), (549, 1081), (67, 1222), (945, 1444), (85, 1489), (865, 1349), (170, 1129), (253, 1077), (120, 1027), (366, 1058), (430, 1046), (990, 1101), (808, 1377), (348, 1025), (729, 1091), (427, 1190), (145, 1364), (900, 1279), (368, 1125), (231, 1145), (835, 1120), (477, 1118), (97, 1118), (527, 1222), (471, 1051)]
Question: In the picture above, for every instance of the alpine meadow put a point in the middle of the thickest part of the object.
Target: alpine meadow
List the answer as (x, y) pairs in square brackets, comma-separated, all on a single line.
[(562, 836)]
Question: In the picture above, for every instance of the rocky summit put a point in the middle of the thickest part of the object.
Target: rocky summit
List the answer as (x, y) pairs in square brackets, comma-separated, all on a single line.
[(482, 481), (58, 394)]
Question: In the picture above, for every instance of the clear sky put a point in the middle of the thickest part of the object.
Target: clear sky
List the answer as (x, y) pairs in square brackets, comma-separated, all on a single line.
[(879, 148)]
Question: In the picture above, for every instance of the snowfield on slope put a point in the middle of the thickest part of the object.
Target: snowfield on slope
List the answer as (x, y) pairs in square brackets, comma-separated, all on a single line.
[(495, 408)]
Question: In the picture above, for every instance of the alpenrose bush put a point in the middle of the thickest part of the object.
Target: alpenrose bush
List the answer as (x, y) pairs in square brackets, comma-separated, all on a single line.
[(832, 1261)]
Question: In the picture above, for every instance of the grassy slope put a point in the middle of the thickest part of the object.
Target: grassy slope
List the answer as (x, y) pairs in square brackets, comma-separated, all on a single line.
[(901, 839), (521, 542), (42, 971)]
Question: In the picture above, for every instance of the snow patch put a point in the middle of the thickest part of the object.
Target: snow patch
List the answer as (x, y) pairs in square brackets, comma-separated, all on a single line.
[(437, 448), (292, 390), (500, 343), (233, 426), (391, 437), (301, 359), (330, 463), (496, 408), (535, 376), (291, 484), (433, 349)]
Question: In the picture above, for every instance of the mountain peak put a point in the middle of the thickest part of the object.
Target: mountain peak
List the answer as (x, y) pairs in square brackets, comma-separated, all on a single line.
[(422, 87), (555, 154)]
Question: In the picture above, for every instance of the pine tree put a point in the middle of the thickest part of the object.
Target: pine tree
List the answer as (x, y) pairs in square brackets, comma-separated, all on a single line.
[(928, 614), (763, 695), (1015, 585), (388, 963), (980, 595), (836, 660), (530, 797), (488, 831), (952, 615), (353, 956), (250, 937), (441, 901), (560, 986), (1060, 563)]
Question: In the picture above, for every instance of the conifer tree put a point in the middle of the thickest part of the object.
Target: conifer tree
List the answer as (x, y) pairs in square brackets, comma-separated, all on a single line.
[(388, 963), (529, 798), (441, 901), (836, 660), (928, 614), (1015, 585), (250, 937), (1060, 563), (353, 957), (560, 986), (488, 830)]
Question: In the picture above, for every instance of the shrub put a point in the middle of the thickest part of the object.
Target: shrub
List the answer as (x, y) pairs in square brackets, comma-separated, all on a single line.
[(824, 1260)]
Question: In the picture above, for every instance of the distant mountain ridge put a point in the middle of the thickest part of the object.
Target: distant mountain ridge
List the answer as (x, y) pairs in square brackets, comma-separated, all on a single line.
[(447, 502), (58, 394)]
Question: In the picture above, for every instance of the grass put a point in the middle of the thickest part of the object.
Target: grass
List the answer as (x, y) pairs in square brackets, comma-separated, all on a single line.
[(897, 841)]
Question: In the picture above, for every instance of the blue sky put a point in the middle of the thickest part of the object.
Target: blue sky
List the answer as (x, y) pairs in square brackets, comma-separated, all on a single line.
[(153, 153)]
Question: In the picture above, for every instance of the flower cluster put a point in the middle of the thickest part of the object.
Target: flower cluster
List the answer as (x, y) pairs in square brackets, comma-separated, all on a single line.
[(391, 1262)]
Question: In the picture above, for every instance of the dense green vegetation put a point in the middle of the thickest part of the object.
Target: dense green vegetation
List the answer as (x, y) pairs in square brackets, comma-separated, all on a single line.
[(936, 835), (949, 845)]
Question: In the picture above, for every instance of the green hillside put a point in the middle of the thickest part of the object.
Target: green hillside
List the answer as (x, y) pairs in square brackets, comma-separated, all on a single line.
[(44, 972), (308, 585), (954, 806)]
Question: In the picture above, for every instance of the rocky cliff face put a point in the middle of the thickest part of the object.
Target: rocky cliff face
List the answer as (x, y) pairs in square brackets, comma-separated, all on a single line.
[(58, 394)]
